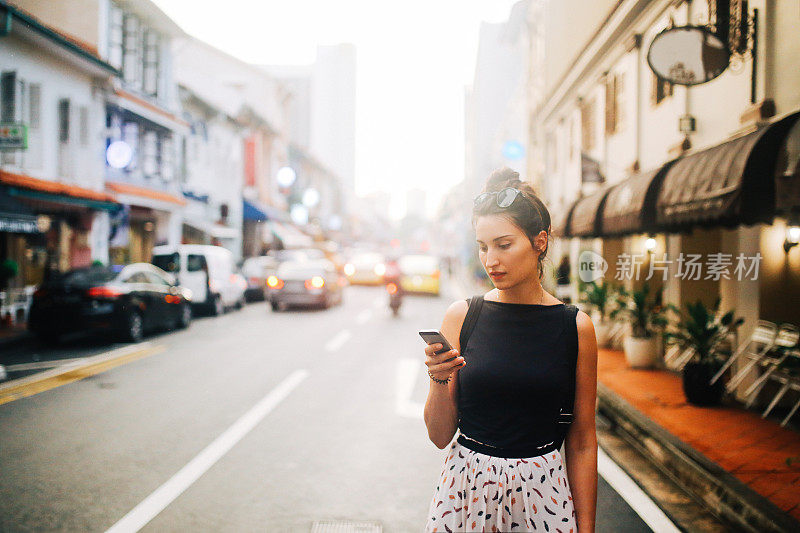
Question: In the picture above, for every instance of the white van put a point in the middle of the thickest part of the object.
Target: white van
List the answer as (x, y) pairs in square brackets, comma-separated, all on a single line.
[(208, 271)]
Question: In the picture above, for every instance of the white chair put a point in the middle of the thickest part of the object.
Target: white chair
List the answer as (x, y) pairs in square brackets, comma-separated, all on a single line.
[(786, 339), (788, 381), (675, 358), (757, 345)]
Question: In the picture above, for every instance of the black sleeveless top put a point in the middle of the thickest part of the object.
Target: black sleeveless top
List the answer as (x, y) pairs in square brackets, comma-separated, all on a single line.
[(520, 360)]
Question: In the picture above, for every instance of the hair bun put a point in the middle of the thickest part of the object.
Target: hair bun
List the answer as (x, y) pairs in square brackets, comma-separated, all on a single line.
[(502, 178)]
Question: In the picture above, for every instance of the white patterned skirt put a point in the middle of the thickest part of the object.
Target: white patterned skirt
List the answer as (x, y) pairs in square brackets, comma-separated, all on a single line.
[(479, 492)]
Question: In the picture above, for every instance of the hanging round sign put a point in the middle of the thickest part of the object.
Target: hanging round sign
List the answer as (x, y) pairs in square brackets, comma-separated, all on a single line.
[(688, 55)]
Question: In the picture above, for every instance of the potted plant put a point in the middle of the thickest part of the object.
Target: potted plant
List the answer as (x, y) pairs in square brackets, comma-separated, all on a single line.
[(646, 317), (600, 297), (8, 269), (703, 331)]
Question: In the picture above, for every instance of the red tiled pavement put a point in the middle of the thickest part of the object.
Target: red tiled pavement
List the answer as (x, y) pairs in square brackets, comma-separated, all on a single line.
[(760, 453)]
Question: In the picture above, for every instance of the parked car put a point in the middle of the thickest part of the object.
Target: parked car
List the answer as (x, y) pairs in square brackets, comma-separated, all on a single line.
[(365, 268), (138, 298), (208, 271), (305, 283), (256, 270), (420, 274)]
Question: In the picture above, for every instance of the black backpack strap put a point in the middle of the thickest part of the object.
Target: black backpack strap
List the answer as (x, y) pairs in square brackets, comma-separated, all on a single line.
[(475, 304), (567, 412)]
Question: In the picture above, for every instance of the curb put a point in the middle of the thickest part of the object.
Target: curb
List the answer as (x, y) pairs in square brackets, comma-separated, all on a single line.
[(713, 487), (74, 371)]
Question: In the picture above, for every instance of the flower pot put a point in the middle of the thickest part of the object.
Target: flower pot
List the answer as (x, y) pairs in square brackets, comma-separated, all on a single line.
[(602, 330), (641, 352), (695, 384)]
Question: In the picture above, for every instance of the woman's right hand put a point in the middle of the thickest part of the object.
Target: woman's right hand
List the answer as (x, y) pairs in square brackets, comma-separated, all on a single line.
[(438, 365)]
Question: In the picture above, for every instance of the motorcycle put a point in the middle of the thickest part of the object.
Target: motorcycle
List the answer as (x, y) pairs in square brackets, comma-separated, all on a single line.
[(395, 297)]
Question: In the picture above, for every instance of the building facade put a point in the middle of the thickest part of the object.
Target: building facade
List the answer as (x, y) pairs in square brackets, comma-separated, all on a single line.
[(639, 170), (54, 212)]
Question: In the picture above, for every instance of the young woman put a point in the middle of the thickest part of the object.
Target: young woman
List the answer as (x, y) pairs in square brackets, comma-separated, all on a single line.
[(504, 391)]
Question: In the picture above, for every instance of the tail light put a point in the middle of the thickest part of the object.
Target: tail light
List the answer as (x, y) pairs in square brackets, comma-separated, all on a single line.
[(274, 283), (255, 281), (391, 288), (436, 274), (315, 283), (104, 292), (172, 299)]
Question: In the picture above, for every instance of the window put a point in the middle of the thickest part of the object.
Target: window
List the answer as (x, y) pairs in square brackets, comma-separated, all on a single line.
[(167, 159), (151, 62), (168, 262), (195, 263), (8, 96), (132, 53), (661, 89), (63, 121), (115, 36), (35, 105), (611, 104), (130, 134), (150, 153), (83, 125), (587, 125)]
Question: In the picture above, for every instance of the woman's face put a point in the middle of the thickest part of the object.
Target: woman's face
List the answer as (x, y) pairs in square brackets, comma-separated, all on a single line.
[(506, 252)]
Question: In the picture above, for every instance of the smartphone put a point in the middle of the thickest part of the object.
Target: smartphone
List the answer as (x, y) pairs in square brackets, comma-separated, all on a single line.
[(431, 336)]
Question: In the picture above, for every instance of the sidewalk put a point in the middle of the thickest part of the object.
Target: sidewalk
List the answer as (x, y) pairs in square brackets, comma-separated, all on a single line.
[(744, 468)]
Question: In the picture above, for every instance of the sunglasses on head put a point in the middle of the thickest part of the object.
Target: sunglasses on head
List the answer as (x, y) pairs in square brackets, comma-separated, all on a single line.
[(503, 198)]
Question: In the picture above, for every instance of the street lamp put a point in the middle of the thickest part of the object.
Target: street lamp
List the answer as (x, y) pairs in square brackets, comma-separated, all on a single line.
[(285, 177), (650, 245), (310, 197), (792, 238)]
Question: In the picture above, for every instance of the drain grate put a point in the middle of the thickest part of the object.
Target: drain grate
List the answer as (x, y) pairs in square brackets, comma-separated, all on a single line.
[(345, 526)]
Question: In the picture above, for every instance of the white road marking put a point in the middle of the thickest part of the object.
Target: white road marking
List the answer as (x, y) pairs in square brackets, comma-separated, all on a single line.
[(140, 515), (363, 316), (338, 340), (640, 502), (407, 374)]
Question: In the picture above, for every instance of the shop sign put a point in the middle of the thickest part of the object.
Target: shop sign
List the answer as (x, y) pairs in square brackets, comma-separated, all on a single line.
[(18, 224), (13, 136), (688, 55)]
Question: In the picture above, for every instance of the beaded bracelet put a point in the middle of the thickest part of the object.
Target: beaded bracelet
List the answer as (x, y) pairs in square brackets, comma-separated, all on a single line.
[(440, 381)]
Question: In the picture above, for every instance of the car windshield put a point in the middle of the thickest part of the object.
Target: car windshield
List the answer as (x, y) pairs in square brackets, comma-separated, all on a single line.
[(418, 264), (302, 269), (168, 262), (81, 277)]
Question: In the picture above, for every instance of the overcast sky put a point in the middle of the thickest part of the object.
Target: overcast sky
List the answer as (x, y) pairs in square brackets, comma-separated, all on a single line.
[(414, 59)]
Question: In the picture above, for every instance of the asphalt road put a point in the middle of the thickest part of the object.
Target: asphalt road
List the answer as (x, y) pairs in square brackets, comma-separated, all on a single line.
[(252, 421)]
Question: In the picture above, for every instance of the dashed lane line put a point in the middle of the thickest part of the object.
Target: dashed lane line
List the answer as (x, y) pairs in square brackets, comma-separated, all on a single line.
[(156, 502), (338, 340), (363, 316)]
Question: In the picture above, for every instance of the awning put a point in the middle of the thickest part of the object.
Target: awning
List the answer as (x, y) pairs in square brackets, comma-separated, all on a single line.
[(787, 177), (23, 186), (560, 221), (218, 231), (584, 219), (290, 236), (630, 206), (251, 211), (727, 185), (257, 211)]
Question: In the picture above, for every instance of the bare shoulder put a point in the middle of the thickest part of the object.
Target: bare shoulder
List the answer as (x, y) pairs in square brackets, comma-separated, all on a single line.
[(453, 320), (584, 323), (587, 340)]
